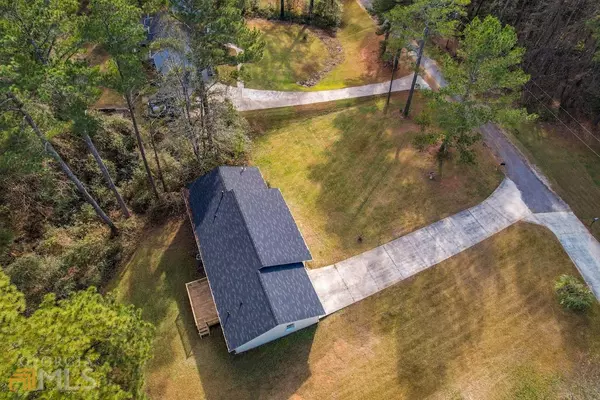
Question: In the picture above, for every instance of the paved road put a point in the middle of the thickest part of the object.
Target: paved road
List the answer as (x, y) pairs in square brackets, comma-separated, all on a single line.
[(548, 208), (536, 194), (245, 99), (352, 280)]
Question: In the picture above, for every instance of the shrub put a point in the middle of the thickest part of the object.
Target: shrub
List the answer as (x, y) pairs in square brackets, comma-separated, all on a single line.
[(89, 261), (6, 238), (573, 294), (328, 13), (422, 141), (33, 275), (137, 191)]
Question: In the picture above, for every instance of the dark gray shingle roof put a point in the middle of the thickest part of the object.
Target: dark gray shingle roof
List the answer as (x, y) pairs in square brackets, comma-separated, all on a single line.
[(247, 234), (271, 226), (286, 287)]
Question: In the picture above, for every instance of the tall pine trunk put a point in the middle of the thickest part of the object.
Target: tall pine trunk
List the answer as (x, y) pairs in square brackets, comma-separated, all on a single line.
[(394, 67), (416, 75), (63, 165), (141, 144), (187, 110), (161, 177), (205, 119), (479, 8), (105, 174), (282, 9)]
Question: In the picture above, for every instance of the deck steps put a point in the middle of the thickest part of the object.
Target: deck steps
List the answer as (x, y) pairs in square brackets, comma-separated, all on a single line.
[(203, 306)]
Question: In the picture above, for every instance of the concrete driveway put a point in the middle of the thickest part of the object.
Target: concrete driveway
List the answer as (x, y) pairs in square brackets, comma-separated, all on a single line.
[(352, 280)]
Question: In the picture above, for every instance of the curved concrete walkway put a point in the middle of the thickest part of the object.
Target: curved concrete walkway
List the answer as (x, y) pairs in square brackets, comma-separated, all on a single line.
[(245, 99), (352, 280)]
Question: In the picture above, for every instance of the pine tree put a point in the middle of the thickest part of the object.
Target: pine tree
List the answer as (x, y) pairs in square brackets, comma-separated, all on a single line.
[(483, 85), (115, 25), (102, 344), (29, 56), (71, 88), (212, 26), (423, 19)]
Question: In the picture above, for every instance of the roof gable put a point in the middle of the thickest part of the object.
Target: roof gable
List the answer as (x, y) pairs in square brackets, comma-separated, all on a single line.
[(286, 287), (272, 228)]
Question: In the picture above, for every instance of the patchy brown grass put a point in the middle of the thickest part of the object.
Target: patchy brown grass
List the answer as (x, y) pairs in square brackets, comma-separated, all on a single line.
[(287, 60), (362, 64), (483, 324), (353, 180)]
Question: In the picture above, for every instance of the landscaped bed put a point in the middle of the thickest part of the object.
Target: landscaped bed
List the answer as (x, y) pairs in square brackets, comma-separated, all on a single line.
[(483, 324), (360, 43), (352, 178), (293, 53)]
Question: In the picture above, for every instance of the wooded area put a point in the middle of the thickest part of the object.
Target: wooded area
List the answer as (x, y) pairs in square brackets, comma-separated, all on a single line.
[(78, 186), (81, 183), (561, 38)]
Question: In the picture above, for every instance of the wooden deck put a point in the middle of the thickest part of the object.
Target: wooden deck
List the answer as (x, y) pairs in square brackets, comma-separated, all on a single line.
[(203, 305)]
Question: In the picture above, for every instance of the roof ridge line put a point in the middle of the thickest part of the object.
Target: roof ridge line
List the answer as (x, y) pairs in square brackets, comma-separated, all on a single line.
[(237, 203), (262, 286), (221, 177)]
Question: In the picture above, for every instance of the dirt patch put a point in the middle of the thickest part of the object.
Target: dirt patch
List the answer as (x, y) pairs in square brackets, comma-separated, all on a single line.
[(336, 56), (374, 67)]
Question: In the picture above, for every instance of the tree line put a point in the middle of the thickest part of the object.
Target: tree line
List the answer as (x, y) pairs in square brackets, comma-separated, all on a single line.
[(561, 42), (321, 13), (75, 183)]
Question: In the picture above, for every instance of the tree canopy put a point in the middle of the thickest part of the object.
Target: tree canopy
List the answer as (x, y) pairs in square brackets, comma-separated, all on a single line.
[(483, 82), (102, 344)]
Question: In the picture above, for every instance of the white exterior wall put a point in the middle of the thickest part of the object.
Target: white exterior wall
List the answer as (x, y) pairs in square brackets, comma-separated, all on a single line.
[(276, 333)]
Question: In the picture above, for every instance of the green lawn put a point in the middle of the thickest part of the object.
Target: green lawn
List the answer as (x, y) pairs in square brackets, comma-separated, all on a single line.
[(292, 53), (361, 63), (289, 57), (573, 170), (352, 178), (483, 324)]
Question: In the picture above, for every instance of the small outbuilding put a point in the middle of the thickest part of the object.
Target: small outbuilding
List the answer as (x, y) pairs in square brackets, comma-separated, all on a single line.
[(253, 256)]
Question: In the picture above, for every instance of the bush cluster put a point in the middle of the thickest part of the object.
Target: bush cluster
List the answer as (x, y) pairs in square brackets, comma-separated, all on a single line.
[(573, 294)]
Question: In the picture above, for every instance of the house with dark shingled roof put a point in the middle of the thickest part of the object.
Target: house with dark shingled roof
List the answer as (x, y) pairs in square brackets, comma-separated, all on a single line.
[(253, 255)]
